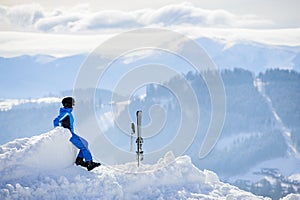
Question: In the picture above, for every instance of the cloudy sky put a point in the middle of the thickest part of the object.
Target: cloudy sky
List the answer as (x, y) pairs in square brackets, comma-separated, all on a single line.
[(64, 27), (283, 13)]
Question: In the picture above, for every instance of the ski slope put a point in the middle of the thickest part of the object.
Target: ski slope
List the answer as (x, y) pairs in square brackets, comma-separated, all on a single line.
[(292, 151), (41, 167)]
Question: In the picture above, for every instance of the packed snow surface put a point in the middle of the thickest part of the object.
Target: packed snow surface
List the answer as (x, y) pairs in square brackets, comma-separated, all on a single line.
[(42, 167)]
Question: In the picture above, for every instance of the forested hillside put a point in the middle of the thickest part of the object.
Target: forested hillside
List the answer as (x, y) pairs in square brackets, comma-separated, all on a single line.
[(283, 88)]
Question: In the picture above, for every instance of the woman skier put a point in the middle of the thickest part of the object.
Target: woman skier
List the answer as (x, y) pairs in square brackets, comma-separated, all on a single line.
[(66, 120)]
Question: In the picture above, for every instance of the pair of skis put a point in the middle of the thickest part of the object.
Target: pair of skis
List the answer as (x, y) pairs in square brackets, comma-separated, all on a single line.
[(139, 140)]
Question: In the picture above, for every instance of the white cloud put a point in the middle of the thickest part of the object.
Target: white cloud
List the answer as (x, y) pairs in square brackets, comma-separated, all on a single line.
[(80, 18), (105, 20), (21, 17), (20, 43), (59, 45), (37, 28), (57, 23), (186, 13), (174, 15)]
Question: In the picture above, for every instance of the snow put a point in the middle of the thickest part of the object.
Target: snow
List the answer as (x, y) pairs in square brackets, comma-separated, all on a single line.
[(292, 197), (8, 104), (295, 177), (42, 167), (51, 150)]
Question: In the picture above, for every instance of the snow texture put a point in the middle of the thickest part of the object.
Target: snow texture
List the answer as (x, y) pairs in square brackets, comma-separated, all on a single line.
[(42, 167), (292, 197)]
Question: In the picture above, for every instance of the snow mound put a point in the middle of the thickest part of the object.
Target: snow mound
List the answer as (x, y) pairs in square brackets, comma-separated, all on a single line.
[(42, 167), (51, 150)]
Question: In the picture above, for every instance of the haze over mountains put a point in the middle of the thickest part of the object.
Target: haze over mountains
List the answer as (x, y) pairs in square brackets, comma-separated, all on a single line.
[(36, 76)]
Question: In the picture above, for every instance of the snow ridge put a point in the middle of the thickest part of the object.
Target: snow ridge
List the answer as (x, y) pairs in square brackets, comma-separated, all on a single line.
[(42, 167)]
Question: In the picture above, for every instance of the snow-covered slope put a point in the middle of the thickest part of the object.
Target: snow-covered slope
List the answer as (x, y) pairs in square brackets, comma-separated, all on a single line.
[(42, 167)]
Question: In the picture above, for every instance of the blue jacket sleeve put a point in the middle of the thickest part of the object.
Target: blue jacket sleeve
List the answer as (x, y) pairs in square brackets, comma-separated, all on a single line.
[(63, 121)]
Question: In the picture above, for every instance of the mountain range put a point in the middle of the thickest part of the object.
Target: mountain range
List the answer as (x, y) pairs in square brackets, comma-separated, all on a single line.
[(40, 75)]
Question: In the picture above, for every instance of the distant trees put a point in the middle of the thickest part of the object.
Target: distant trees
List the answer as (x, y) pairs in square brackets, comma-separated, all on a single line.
[(243, 153), (247, 113), (26, 121), (246, 108)]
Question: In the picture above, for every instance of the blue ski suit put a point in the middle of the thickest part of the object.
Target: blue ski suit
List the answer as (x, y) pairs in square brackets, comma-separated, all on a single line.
[(66, 120)]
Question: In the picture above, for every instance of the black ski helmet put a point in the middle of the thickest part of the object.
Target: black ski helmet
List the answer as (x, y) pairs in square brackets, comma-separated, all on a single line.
[(68, 102)]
